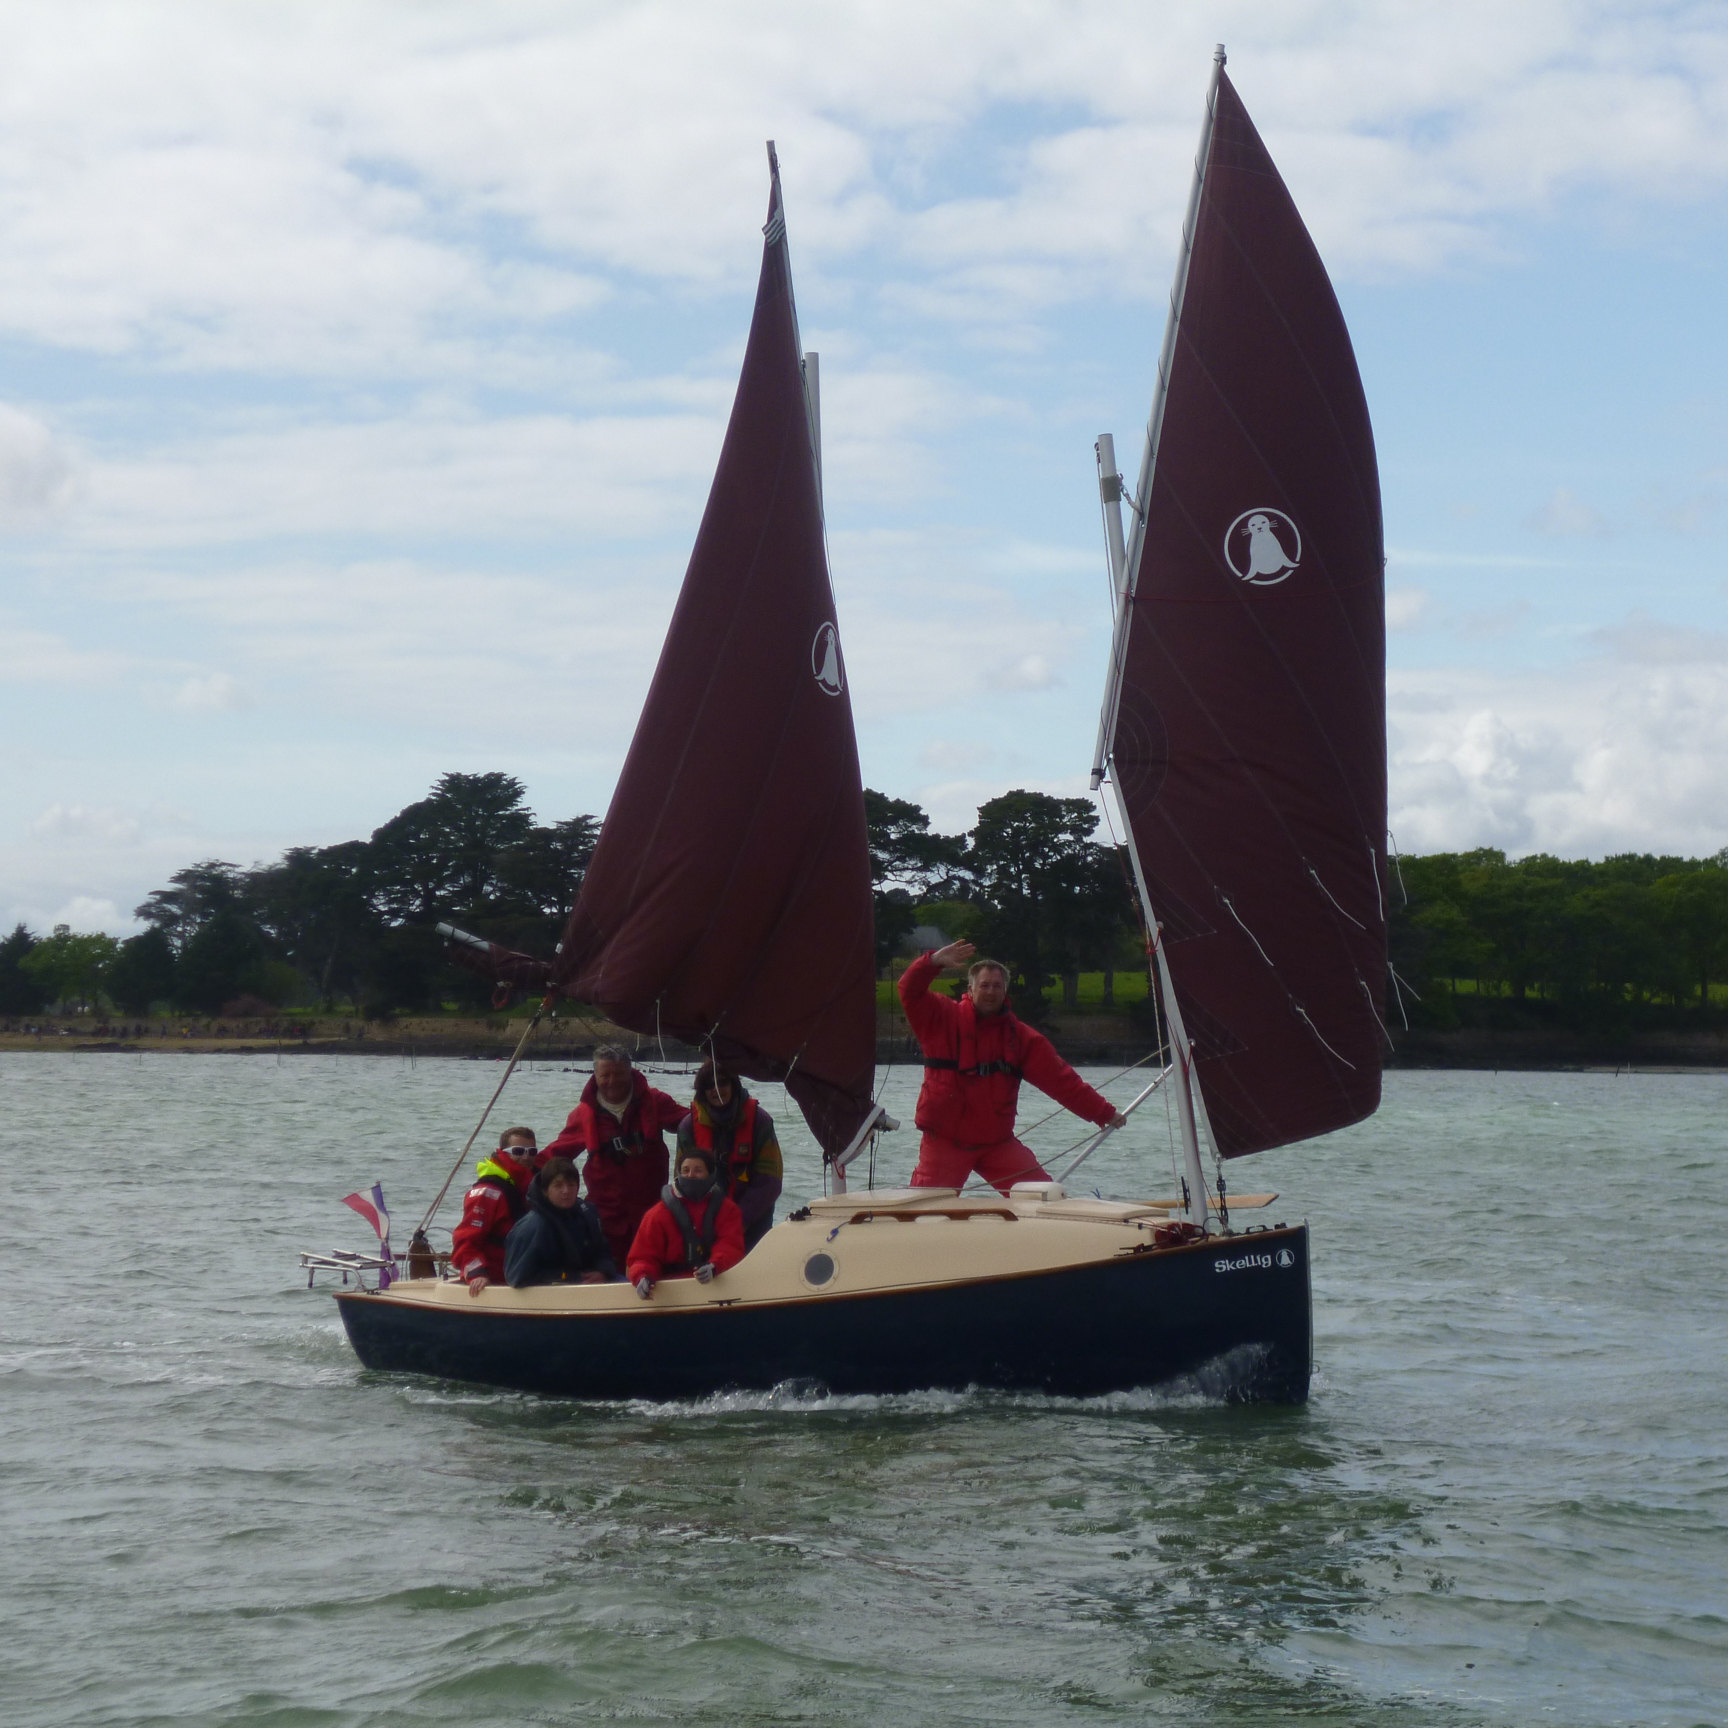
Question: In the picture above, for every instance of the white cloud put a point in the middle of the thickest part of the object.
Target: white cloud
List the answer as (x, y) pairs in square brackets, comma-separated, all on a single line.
[(37, 473), (31, 656), (953, 804), (436, 472), (1566, 514), (1027, 672), (953, 757), (218, 693), (1405, 607), (319, 188), (89, 915), (925, 625), (88, 822), (1610, 755)]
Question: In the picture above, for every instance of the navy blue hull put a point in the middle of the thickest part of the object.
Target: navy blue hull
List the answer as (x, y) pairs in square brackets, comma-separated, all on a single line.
[(1232, 1314)]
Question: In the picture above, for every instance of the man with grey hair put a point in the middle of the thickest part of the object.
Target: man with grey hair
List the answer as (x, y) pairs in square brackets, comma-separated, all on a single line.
[(620, 1125), (976, 1052)]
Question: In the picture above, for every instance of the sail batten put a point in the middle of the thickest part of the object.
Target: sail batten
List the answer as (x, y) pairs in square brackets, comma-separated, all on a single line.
[(728, 900), (1245, 732)]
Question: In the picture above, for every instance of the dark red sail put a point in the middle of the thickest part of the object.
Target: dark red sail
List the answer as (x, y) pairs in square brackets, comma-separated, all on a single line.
[(728, 900), (1250, 746)]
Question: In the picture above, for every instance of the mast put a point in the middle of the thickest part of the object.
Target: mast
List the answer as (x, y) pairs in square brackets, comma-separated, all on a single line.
[(1125, 567)]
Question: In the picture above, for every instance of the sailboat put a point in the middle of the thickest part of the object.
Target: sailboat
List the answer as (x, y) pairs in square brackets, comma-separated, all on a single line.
[(728, 901)]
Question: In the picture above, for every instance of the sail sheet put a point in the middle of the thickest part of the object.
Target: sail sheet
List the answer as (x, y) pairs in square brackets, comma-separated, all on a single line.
[(728, 903), (1249, 746)]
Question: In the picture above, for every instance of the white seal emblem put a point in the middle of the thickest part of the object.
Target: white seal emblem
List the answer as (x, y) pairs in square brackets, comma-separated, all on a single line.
[(1285, 1257), (825, 661), (1263, 546)]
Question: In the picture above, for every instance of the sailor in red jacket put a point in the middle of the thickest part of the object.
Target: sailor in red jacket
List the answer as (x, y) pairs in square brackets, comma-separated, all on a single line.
[(975, 1055), (497, 1199), (620, 1123), (695, 1229)]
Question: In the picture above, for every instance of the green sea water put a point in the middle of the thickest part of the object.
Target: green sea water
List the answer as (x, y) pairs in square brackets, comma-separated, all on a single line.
[(1506, 1502)]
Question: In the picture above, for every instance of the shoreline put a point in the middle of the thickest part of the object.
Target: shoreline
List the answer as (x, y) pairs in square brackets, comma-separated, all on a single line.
[(1463, 1051)]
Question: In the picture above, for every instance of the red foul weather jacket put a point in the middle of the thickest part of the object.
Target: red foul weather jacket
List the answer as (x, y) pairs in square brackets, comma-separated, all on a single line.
[(658, 1251), (627, 1162), (974, 1108), (489, 1208)]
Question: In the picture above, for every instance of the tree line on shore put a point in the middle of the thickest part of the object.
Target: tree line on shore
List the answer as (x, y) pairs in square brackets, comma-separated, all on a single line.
[(1477, 939), (355, 923), (1473, 937)]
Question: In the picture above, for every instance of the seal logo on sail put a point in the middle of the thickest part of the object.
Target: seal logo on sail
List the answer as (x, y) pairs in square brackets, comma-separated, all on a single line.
[(825, 661), (1263, 546)]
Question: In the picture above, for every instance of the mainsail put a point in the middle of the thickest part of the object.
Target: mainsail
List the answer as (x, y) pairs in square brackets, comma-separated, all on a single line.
[(1245, 727), (728, 900)]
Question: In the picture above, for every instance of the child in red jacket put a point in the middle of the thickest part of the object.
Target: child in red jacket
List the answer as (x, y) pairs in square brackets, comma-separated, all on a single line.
[(692, 1229)]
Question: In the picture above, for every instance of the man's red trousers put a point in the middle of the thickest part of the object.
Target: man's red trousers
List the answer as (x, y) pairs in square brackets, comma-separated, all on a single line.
[(947, 1164)]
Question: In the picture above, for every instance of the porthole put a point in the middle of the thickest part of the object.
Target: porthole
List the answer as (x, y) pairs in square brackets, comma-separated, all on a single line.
[(818, 1269)]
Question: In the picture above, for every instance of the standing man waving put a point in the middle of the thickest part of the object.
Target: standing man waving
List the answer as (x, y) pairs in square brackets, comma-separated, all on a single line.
[(976, 1053)]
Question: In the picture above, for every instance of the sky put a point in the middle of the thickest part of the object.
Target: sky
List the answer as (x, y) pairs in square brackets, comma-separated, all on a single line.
[(363, 368)]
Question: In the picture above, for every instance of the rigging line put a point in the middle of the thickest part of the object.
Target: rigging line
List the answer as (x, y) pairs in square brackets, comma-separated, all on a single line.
[(1062, 1109), (1368, 996), (1314, 876), (1303, 1013), (1151, 940), (1374, 872), (462, 1156), (1247, 932)]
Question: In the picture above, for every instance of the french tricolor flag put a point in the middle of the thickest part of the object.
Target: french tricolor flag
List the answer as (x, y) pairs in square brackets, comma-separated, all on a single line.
[(377, 1214)]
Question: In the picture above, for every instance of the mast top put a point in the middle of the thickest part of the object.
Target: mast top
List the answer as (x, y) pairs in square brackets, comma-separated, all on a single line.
[(1218, 58)]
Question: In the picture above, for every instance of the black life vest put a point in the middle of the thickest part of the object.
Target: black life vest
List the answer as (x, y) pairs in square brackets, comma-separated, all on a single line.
[(698, 1245), (979, 1071)]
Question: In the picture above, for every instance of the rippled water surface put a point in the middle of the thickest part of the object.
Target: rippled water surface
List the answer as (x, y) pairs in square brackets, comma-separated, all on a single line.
[(1507, 1501)]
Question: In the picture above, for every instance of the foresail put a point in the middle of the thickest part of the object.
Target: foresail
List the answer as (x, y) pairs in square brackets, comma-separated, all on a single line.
[(1247, 743), (728, 900)]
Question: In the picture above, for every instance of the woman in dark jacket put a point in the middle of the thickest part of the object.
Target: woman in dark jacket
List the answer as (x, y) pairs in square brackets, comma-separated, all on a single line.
[(559, 1239)]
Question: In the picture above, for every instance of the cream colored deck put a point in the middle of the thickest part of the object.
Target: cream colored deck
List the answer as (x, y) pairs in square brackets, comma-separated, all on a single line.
[(878, 1239)]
